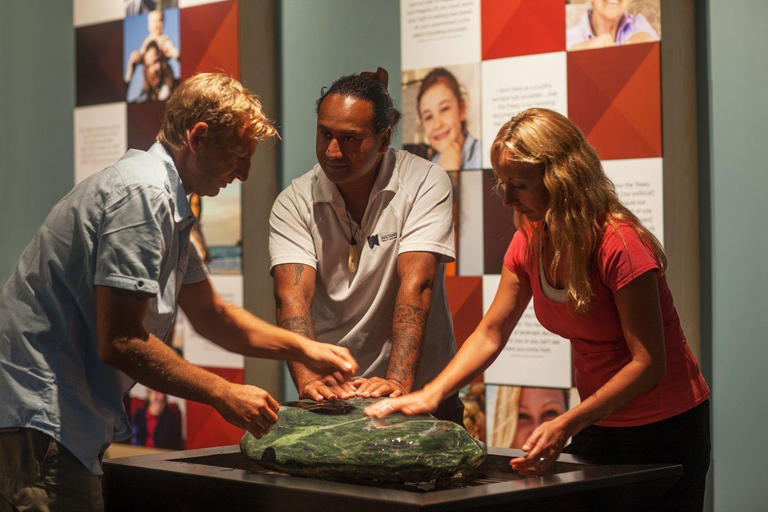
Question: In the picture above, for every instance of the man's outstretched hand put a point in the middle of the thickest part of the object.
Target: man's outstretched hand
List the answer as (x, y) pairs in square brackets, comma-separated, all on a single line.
[(328, 359), (327, 388), (248, 407), (376, 387)]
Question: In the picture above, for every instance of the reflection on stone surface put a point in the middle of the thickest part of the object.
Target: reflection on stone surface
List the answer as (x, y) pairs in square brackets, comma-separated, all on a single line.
[(335, 440)]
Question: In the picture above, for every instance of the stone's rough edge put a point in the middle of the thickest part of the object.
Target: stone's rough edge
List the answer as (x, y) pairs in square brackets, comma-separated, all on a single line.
[(307, 443)]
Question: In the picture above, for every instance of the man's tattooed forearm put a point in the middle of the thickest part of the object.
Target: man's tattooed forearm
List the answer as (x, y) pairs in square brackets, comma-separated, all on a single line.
[(407, 337), (409, 314), (299, 324)]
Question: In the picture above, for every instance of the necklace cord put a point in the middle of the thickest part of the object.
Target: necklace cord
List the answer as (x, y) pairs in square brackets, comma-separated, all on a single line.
[(352, 240)]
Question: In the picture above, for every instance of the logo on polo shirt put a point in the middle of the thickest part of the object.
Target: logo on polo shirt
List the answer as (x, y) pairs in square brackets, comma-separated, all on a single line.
[(374, 240)]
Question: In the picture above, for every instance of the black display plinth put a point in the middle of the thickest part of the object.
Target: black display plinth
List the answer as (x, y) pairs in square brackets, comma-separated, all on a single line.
[(223, 479)]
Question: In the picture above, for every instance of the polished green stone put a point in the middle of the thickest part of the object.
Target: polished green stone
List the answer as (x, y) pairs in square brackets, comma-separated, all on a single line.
[(335, 440)]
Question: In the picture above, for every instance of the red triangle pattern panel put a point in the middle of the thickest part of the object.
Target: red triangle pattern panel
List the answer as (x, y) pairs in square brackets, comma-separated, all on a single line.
[(465, 299), (498, 227), (205, 426), (210, 39), (521, 27), (614, 96), (99, 64), (144, 121)]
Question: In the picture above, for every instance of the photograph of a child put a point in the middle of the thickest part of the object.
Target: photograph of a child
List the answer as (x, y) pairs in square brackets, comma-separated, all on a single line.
[(441, 115), (594, 24), (136, 7), (151, 55)]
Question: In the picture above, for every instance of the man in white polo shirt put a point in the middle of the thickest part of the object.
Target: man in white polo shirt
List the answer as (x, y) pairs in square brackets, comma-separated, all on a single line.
[(358, 248)]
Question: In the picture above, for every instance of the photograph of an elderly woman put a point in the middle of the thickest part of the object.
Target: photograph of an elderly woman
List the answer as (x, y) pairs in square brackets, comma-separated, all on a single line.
[(605, 23)]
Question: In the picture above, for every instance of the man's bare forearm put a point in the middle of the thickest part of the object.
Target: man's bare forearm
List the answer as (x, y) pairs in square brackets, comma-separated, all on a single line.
[(151, 362), (237, 330), (233, 328)]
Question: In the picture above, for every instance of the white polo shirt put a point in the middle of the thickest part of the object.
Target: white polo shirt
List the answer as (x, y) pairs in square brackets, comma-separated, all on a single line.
[(410, 209)]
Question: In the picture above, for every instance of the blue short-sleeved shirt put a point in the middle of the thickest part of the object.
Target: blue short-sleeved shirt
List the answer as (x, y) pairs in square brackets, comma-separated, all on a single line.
[(126, 227)]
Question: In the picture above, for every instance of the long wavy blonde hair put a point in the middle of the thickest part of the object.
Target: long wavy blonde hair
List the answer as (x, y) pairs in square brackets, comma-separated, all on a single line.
[(504, 421), (583, 201)]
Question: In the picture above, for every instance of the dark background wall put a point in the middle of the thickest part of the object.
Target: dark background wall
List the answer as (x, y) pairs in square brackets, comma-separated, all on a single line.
[(37, 95), (319, 42), (734, 120)]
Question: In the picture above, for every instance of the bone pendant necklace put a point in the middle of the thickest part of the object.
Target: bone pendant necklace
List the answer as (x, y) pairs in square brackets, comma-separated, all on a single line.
[(352, 262), (353, 255)]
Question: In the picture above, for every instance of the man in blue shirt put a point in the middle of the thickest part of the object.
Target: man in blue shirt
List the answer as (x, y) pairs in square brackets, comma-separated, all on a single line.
[(94, 294)]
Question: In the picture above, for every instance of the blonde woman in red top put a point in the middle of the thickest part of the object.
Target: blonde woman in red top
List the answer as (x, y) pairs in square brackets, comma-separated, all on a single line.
[(596, 276)]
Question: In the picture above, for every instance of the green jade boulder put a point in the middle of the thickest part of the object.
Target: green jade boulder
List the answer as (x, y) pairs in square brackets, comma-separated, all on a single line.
[(336, 441)]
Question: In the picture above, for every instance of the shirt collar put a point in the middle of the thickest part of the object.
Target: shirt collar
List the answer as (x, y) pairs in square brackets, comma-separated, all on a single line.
[(325, 191), (386, 180), (625, 24), (467, 150), (182, 212)]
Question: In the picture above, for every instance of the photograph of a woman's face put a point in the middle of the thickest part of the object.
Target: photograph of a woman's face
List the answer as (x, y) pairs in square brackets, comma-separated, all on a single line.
[(518, 411)]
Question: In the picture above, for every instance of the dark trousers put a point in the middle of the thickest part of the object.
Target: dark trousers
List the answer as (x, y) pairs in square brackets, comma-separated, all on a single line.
[(37, 473), (682, 439), (451, 409)]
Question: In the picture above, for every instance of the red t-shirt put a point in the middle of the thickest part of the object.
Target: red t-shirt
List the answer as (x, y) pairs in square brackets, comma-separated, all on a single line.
[(151, 427), (597, 339)]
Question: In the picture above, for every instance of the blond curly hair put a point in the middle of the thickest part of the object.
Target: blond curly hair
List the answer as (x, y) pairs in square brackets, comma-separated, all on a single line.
[(229, 109), (583, 201)]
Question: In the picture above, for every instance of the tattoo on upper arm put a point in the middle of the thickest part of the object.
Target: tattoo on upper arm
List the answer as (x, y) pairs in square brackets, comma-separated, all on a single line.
[(298, 270)]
